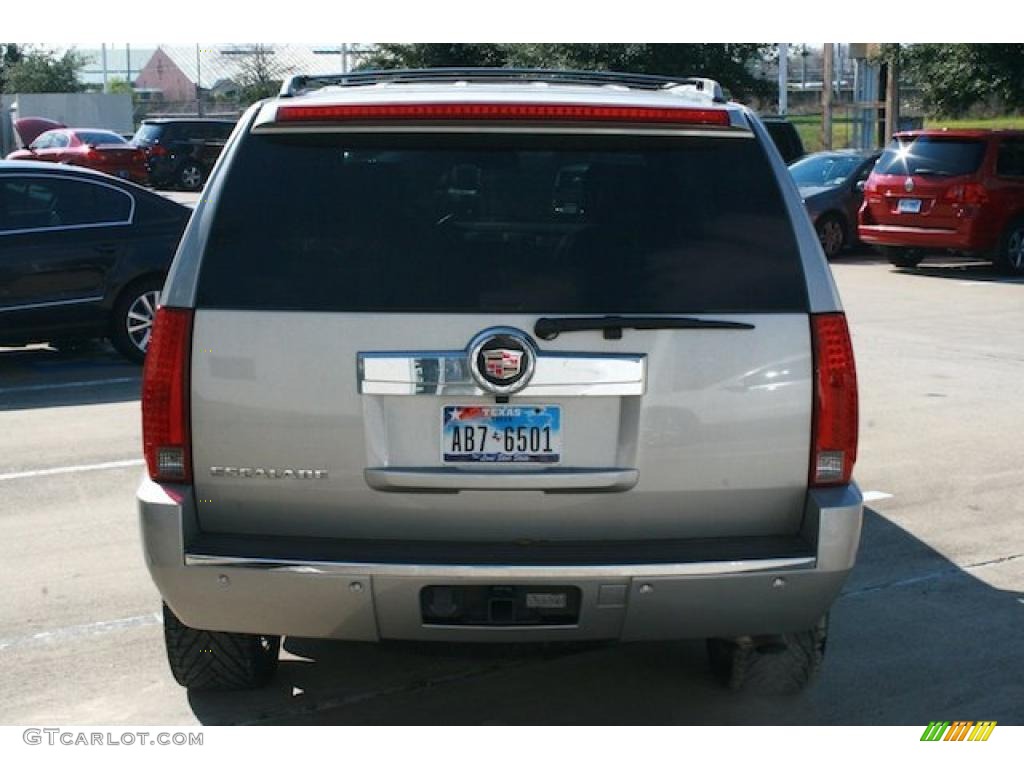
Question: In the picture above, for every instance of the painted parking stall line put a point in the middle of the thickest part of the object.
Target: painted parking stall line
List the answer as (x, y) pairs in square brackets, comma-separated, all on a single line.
[(72, 469)]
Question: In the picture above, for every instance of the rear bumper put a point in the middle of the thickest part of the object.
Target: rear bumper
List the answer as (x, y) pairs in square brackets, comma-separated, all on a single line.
[(349, 600), (966, 238)]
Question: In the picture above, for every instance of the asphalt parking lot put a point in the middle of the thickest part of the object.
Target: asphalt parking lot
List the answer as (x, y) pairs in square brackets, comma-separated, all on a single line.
[(928, 628)]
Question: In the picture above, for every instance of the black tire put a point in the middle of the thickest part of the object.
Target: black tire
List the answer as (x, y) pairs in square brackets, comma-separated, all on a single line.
[(190, 176), (780, 664), (218, 661), (903, 257), (832, 234), (132, 304), (1010, 257)]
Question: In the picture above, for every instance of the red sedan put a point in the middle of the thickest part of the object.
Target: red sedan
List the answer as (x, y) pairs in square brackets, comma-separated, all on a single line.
[(98, 149)]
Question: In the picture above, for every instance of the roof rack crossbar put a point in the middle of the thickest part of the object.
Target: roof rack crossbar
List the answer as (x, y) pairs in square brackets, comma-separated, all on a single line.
[(298, 84)]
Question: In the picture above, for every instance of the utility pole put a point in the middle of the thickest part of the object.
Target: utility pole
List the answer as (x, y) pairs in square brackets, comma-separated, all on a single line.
[(199, 87), (892, 97), (826, 98), (783, 78), (103, 56)]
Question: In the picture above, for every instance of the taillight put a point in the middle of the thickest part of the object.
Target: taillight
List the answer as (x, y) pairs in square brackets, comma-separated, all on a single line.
[(165, 381), (513, 112), (157, 150), (970, 194), (834, 445)]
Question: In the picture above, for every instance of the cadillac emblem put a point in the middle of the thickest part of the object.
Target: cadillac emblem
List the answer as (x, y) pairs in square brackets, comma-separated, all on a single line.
[(502, 360)]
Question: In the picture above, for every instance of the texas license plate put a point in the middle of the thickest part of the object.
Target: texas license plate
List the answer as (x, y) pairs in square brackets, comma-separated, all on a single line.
[(498, 434), (909, 205)]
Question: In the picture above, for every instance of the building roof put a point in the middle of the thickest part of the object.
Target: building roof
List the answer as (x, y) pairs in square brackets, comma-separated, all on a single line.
[(216, 63)]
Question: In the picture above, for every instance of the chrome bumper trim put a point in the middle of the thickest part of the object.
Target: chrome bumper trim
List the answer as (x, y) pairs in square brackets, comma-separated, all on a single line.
[(488, 572)]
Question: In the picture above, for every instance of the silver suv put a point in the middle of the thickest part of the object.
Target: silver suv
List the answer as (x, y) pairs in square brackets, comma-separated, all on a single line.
[(507, 355)]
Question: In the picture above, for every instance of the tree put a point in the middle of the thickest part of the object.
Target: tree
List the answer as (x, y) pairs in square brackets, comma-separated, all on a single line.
[(953, 77), (119, 85), (259, 74), (726, 62), (39, 71), (419, 55), (10, 54)]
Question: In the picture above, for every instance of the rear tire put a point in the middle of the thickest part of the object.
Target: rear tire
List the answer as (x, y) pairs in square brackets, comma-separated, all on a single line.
[(903, 257), (131, 324), (831, 234), (218, 661), (779, 664), (190, 176), (1010, 257)]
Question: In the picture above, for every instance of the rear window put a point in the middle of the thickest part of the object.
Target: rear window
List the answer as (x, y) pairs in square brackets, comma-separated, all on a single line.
[(148, 133), (500, 223), (100, 137), (931, 156)]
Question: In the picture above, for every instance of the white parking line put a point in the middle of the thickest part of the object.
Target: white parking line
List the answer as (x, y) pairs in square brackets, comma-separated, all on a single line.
[(876, 495), (69, 385), (67, 470), (80, 630)]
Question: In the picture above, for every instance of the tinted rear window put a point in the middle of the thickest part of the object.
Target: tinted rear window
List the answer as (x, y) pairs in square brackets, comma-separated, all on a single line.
[(489, 223), (148, 133), (100, 137), (931, 155)]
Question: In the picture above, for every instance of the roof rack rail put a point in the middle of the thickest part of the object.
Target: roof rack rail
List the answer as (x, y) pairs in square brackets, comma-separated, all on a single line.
[(299, 84)]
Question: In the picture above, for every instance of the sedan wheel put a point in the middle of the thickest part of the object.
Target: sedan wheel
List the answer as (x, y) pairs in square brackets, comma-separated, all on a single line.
[(139, 321), (134, 315), (831, 235)]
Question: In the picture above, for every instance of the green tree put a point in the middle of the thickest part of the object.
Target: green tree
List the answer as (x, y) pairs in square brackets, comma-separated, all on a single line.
[(119, 85), (10, 53), (726, 62), (259, 73), (954, 77), (39, 71)]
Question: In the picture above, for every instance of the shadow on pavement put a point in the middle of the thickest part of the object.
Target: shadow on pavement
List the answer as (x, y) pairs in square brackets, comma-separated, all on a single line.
[(42, 377), (980, 271), (914, 638)]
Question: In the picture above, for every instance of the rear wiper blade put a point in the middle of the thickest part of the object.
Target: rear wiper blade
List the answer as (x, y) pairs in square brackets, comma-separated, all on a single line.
[(547, 328), (930, 172)]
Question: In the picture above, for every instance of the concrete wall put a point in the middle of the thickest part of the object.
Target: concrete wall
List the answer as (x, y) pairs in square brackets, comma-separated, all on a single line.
[(112, 111)]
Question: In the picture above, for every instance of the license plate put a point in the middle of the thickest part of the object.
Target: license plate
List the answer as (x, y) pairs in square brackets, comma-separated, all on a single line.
[(909, 205), (499, 434)]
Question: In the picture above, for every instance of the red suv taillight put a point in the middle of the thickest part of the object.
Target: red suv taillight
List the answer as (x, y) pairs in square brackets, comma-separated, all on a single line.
[(834, 446), (165, 381), (972, 193)]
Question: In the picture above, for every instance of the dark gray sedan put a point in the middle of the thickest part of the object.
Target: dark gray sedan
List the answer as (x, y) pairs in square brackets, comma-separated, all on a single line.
[(829, 183)]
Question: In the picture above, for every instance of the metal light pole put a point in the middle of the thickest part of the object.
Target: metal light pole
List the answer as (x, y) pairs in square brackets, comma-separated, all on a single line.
[(826, 98), (199, 87), (783, 78)]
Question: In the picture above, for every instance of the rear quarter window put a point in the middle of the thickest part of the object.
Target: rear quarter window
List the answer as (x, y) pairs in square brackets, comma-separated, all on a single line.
[(501, 223)]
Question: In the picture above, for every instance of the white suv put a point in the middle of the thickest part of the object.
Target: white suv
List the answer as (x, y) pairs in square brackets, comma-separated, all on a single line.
[(499, 356)]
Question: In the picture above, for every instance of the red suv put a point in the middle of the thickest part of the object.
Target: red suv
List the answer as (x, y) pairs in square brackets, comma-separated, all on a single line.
[(942, 190)]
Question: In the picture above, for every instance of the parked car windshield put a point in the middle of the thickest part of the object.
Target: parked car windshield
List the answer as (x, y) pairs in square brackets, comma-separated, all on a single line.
[(931, 155), (824, 170), (428, 223), (99, 137)]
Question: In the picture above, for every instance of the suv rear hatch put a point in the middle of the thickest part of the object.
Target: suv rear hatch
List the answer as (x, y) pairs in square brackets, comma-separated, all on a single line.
[(925, 181), (347, 274)]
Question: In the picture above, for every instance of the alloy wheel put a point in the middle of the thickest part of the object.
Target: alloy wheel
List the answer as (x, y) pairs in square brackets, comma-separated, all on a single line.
[(140, 317)]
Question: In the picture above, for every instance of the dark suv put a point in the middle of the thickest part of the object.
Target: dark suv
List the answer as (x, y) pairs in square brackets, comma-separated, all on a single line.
[(180, 153)]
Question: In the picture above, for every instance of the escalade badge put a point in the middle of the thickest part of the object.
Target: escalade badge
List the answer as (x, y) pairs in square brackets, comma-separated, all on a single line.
[(502, 360)]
